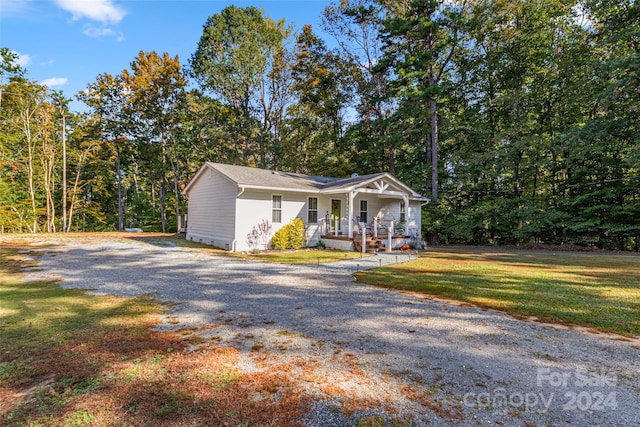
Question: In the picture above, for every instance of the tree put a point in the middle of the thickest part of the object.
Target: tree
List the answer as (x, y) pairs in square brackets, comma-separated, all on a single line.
[(420, 38), (241, 61), (604, 154), (108, 97), (157, 94), (83, 161), (9, 66), (62, 106), (28, 125), (315, 121), (12, 206), (356, 26)]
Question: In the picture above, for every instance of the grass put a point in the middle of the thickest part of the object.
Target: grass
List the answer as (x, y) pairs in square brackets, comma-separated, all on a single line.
[(595, 290), (300, 256), (304, 256), (70, 358)]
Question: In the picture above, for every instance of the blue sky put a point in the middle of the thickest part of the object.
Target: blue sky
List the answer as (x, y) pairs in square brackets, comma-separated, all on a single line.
[(66, 44)]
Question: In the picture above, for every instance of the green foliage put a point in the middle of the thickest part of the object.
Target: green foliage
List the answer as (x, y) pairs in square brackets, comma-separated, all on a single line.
[(290, 236), (311, 143), (9, 63), (523, 166), (521, 116), (242, 62)]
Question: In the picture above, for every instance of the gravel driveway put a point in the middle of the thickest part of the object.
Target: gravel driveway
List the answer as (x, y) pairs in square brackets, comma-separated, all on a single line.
[(440, 363)]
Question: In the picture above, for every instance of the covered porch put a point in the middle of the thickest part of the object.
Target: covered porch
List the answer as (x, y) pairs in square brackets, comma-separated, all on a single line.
[(369, 244), (376, 215)]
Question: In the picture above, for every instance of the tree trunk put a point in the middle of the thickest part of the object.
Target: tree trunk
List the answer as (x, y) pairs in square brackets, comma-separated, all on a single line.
[(30, 160), (176, 190), (433, 113), (74, 197), (120, 207), (163, 204), (434, 149), (49, 185), (64, 173)]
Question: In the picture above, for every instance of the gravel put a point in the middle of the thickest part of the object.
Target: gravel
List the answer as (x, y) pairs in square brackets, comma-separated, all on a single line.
[(414, 358)]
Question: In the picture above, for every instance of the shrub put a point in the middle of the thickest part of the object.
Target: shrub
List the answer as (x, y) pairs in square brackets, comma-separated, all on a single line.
[(291, 236)]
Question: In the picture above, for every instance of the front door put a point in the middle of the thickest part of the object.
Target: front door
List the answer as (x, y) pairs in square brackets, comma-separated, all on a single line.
[(336, 215)]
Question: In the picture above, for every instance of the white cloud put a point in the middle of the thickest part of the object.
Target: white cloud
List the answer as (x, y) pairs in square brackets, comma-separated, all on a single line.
[(92, 31), (24, 60), (55, 81), (13, 6), (104, 11)]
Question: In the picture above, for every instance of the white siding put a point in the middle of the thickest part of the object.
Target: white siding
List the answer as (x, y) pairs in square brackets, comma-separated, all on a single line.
[(256, 205), (315, 231), (312, 229), (414, 219), (223, 215), (384, 208), (388, 209), (212, 210)]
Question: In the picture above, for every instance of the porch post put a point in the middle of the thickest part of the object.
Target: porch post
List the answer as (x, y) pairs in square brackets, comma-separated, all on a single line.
[(352, 195), (405, 198)]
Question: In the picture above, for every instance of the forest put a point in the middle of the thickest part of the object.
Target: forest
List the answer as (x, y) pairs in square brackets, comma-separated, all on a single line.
[(518, 119)]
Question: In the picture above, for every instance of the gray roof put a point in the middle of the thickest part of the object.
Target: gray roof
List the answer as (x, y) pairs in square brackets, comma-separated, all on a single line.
[(245, 176), (255, 177)]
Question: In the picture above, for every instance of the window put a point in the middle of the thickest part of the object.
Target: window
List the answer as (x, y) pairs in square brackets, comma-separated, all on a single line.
[(363, 211), (312, 210), (403, 212), (276, 209)]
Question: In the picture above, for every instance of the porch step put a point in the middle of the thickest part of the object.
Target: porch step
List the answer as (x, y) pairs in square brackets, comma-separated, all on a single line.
[(374, 244)]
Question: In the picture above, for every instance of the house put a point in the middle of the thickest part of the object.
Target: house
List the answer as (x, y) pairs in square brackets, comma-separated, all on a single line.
[(239, 208)]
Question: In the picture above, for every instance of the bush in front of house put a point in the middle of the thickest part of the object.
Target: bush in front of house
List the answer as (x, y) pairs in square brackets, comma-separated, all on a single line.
[(291, 236)]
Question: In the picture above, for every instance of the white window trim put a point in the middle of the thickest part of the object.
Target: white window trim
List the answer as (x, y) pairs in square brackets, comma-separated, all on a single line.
[(274, 209), (366, 202), (312, 210)]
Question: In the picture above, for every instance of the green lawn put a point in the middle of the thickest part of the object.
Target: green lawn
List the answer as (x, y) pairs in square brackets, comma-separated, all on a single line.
[(597, 290), (68, 358), (300, 256), (304, 256)]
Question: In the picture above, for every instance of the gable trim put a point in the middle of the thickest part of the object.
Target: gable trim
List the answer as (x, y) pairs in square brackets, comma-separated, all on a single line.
[(207, 167), (385, 184)]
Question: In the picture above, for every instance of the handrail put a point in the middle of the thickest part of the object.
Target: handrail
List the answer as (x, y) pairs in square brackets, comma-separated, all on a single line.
[(379, 221)]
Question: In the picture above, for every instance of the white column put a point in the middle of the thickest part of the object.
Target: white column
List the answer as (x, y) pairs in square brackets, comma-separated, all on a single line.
[(352, 195)]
